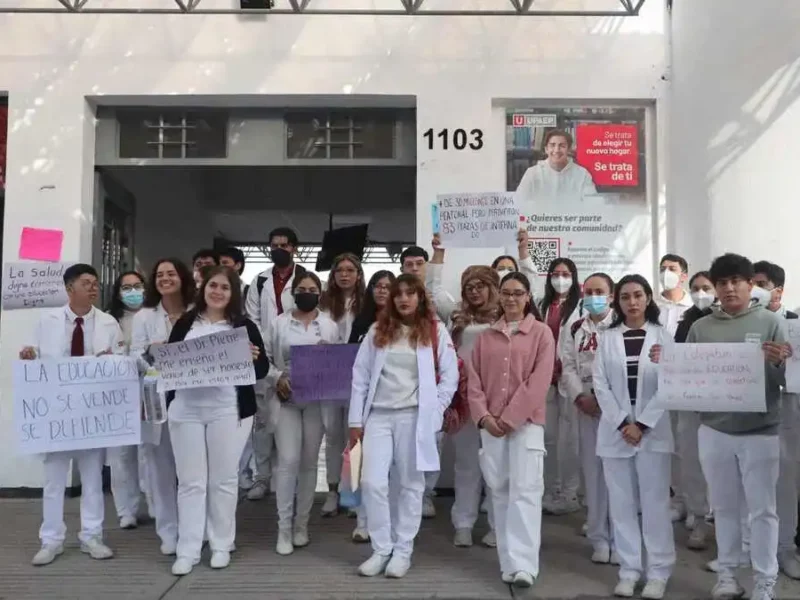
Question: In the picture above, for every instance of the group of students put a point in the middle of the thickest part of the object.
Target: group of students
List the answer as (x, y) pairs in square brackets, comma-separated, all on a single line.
[(547, 403)]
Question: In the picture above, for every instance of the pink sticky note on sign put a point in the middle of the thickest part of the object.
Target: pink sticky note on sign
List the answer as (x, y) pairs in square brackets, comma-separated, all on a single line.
[(41, 244)]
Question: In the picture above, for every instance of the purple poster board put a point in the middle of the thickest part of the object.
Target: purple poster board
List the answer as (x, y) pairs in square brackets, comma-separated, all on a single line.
[(322, 373)]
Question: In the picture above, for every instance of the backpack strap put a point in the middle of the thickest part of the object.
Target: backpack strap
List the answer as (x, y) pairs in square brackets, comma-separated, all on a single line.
[(575, 327), (260, 284)]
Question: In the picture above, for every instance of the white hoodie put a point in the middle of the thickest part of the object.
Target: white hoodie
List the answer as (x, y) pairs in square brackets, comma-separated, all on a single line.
[(542, 183)]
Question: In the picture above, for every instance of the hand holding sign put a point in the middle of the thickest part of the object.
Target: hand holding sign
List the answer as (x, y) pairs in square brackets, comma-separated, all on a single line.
[(776, 352), (27, 353)]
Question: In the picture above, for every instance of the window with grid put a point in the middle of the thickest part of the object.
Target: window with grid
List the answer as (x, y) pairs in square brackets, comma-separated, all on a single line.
[(172, 134), (348, 135)]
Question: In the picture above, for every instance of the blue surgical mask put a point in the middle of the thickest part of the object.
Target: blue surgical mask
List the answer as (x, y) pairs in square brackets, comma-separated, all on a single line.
[(595, 305), (132, 299)]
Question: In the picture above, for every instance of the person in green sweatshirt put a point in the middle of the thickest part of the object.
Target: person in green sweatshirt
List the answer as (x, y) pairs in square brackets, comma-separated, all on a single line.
[(738, 450)]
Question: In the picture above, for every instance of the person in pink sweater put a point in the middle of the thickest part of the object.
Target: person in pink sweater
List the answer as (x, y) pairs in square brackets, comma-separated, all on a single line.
[(509, 376)]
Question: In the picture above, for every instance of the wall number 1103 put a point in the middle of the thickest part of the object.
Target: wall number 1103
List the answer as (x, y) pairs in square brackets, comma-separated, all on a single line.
[(457, 139)]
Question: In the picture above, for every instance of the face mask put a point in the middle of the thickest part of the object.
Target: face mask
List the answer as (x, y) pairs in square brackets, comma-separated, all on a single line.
[(306, 301), (595, 305), (281, 258), (503, 272), (670, 280), (132, 299), (702, 300), (561, 284), (763, 296)]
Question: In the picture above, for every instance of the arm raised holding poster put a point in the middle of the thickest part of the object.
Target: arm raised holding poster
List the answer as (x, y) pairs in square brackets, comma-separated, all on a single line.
[(485, 220)]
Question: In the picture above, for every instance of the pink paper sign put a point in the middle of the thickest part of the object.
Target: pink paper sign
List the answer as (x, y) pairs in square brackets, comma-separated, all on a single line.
[(41, 244)]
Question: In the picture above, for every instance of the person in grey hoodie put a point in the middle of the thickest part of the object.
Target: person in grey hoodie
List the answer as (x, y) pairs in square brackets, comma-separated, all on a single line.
[(742, 450)]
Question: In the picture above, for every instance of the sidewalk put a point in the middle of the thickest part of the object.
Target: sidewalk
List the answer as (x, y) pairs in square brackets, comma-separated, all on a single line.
[(325, 570)]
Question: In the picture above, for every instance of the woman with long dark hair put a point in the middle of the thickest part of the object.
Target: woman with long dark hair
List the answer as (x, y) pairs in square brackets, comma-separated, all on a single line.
[(634, 440), (404, 378), (376, 297), (561, 308)]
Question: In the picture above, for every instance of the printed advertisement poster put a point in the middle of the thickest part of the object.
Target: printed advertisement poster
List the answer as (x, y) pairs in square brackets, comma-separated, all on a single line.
[(579, 177)]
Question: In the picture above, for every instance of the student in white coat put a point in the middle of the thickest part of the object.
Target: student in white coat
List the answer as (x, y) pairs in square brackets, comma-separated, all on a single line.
[(342, 301), (209, 427), (578, 346), (298, 427), (77, 329), (397, 406), (270, 295), (169, 293), (561, 308), (634, 440)]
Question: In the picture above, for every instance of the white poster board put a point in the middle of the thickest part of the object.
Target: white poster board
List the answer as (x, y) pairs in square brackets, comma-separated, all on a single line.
[(216, 359), (712, 378), (486, 220), (793, 362), (76, 403), (33, 285)]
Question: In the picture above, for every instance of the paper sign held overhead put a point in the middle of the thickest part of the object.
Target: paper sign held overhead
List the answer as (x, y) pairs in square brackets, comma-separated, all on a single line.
[(322, 372), (33, 285), (41, 244), (486, 220)]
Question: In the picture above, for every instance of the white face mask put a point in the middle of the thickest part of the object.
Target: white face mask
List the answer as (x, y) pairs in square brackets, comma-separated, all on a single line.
[(503, 272), (561, 284), (763, 296), (670, 280), (702, 300)]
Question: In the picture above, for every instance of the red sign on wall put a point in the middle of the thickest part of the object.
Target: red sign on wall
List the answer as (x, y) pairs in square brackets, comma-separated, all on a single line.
[(3, 143), (609, 152)]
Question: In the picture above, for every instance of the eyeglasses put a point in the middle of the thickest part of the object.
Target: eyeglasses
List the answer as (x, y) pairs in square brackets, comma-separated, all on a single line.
[(382, 288), (129, 288), (516, 294), (475, 287)]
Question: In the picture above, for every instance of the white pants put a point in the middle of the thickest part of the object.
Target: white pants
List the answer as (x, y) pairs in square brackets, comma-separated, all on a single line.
[(298, 436), (598, 519), (162, 483), (56, 470), (334, 422), (125, 477), (263, 434), (787, 480), (390, 442), (732, 463), (467, 478), (432, 477), (649, 473), (513, 467), (692, 487), (246, 467), (561, 464), (207, 460)]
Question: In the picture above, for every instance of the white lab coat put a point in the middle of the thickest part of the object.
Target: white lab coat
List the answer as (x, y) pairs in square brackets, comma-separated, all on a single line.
[(610, 380), (263, 309), (433, 399), (49, 336)]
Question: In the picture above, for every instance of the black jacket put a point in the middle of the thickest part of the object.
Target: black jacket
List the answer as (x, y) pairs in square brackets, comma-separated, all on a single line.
[(245, 394), (689, 317), (360, 328)]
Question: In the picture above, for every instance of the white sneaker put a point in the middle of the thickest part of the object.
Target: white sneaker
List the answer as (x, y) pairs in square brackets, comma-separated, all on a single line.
[(691, 522), (698, 538), (220, 559), (601, 556), (374, 565), (169, 548), (509, 579), (128, 523), (428, 509), (727, 588), (625, 588), (47, 554), (490, 539), (463, 538), (300, 538), (789, 564), (551, 503), (397, 567), (654, 589), (677, 512), (183, 566), (712, 566), (245, 482), (763, 590), (95, 548), (259, 490), (284, 547), (614, 560), (331, 506), (360, 535), (522, 580), (566, 505)]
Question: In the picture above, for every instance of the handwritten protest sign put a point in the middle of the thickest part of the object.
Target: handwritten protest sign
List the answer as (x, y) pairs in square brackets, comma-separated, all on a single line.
[(76, 403), (212, 360), (322, 373), (33, 285), (712, 378), (793, 362), (488, 220)]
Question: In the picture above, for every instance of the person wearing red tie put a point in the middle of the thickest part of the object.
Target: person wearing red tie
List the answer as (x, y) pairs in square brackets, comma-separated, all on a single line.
[(77, 329)]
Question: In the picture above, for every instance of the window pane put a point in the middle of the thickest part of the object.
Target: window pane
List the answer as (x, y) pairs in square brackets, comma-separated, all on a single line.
[(305, 136), (138, 136), (209, 132), (374, 137)]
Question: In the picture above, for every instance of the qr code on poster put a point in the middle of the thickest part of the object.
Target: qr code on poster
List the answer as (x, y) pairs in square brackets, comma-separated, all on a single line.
[(543, 251)]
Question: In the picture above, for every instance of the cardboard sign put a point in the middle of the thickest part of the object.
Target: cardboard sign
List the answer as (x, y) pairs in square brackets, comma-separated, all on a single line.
[(33, 285), (322, 372), (489, 220)]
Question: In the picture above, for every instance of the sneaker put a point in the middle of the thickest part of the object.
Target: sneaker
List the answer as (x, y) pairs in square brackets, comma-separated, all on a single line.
[(300, 538), (712, 566), (698, 538), (614, 560), (47, 554), (428, 509), (284, 547), (220, 559), (183, 566), (789, 564), (522, 580), (677, 512), (601, 556), (360, 535), (625, 588), (95, 548), (509, 579), (169, 548), (128, 523), (654, 589), (585, 529), (397, 567), (566, 506), (331, 506), (691, 522), (550, 503), (245, 482), (490, 539), (727, 588), (463, 538), (259, 490), (764, 590), (374, 565)]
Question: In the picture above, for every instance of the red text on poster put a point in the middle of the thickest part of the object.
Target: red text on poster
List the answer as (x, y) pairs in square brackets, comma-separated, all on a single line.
[(609, 152)]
